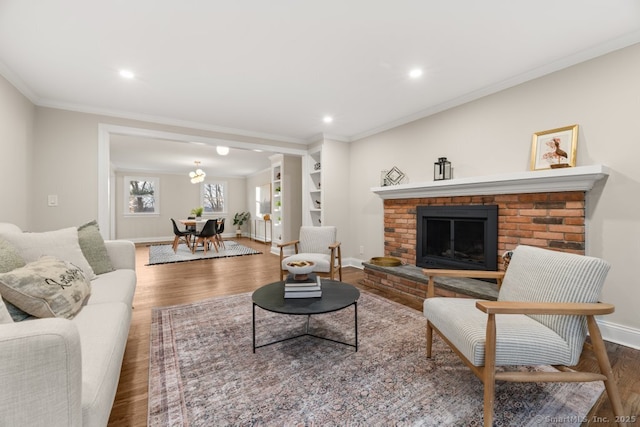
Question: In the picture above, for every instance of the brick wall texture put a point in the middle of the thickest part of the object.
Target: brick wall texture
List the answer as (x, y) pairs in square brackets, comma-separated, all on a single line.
[(547, 220)]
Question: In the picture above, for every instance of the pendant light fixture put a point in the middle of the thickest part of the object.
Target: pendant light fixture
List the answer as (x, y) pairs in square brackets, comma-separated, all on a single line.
[(197, 175)]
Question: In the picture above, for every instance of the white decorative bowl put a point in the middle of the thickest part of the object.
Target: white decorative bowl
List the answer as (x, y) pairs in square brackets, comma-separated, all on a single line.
[(300, 269)]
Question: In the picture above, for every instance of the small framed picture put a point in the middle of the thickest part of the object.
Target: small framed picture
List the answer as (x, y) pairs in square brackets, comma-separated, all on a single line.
[(555, 148)]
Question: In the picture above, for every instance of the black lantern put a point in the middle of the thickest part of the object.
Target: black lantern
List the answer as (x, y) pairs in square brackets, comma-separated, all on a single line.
[(441, 169)]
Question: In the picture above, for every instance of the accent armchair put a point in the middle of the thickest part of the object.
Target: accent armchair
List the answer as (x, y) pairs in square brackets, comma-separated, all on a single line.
[(317, 244), (547, 302)]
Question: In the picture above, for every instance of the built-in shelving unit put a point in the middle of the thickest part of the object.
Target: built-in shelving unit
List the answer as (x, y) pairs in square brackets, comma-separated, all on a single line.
[(314, 185), (286, 177), (276, 185)]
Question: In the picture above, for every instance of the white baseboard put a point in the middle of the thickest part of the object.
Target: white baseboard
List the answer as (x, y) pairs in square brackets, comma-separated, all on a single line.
[(612, 332), (231, 236), (620, 334), (352, 262)]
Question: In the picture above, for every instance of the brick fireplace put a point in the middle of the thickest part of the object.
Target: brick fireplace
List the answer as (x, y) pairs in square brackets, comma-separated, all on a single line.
[(552, 217)]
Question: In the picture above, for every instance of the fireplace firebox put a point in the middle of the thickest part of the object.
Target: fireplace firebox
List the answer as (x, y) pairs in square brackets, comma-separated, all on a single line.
[(459, 237)]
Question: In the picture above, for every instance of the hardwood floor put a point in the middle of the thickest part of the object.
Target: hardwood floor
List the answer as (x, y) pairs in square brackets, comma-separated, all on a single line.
[(171, 284)]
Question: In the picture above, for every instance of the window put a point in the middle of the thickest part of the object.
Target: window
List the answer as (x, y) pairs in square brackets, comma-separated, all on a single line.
[(141, 196), (263, 200), (214, 197)]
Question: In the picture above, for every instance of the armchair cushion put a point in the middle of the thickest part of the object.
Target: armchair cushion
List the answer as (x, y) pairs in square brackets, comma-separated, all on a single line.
[(541, 275), (518, 336), (317, 239)]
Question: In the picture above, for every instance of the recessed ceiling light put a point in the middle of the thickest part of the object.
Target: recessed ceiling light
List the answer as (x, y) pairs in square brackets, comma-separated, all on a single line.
[(327, 119), (127, 74), (415, 73), (223, 151)]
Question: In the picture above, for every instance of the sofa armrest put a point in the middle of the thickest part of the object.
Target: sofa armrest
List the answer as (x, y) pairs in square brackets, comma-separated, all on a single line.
[(122, 254), (40, 373)]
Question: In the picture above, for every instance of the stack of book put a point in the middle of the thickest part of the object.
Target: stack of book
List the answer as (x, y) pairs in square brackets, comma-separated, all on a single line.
[(308, 288)]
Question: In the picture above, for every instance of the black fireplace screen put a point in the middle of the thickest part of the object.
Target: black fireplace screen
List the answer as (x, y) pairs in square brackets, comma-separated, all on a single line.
[(457, 237)]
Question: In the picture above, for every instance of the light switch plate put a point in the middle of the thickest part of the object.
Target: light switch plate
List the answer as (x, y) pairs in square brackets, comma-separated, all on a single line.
[(52, 200)]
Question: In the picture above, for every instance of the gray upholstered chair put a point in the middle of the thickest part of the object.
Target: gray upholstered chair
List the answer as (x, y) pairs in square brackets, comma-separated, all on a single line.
[(546, 305), (317, 244)]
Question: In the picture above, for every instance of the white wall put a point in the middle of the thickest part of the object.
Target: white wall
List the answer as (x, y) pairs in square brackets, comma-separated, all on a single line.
[(66, 163), (493, 135), (17, 118), (57, 151), (177, 197)]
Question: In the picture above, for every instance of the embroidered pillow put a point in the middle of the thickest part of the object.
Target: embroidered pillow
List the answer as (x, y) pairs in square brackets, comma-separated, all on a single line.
[(93, 248), (48, 287), (62, 244)]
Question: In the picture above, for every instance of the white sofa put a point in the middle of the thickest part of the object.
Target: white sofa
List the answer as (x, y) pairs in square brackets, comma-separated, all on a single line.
[(64, 372)]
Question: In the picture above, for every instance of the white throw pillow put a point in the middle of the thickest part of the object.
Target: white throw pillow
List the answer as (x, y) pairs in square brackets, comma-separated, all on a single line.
[(62, 244), (48, 287)]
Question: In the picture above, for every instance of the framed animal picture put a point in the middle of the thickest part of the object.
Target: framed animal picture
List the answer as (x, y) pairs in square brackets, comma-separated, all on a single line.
[(555, 148)]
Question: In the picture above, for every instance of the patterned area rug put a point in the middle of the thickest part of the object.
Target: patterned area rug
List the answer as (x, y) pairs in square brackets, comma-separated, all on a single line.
[(163, 254), (203, 372)]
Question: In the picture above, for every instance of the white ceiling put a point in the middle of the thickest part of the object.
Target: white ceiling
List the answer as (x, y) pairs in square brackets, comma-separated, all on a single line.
[(273, 69)]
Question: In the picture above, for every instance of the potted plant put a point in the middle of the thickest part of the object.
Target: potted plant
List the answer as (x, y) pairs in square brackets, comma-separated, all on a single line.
[(197, 212), (239, 219)]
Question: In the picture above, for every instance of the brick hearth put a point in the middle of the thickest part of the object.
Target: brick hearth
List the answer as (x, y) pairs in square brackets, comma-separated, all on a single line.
[(553, 220)]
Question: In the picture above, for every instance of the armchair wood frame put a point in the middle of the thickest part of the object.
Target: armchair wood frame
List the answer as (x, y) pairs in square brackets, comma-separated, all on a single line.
[(431, 273), (487, 373), (336, 253)]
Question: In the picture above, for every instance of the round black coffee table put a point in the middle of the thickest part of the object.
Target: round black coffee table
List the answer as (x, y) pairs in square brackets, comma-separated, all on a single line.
[(335, 296)]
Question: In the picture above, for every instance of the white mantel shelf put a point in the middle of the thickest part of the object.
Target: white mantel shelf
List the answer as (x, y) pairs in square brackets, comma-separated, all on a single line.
[(581, 178)]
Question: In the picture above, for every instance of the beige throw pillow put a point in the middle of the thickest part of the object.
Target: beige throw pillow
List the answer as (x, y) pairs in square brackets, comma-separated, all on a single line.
[(62, 244), (49, 287)]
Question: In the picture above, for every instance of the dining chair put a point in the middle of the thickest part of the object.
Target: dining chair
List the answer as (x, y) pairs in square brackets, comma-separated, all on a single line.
[(180, 235), (206, 236), (317, 244), (547, 303), (191, 228), (219, 231)]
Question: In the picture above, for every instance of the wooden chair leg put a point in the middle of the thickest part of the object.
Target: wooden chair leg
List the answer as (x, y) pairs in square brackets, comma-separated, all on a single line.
[(600, 351), (429, 339), (176, 242), (431, 288), (489, 370)]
